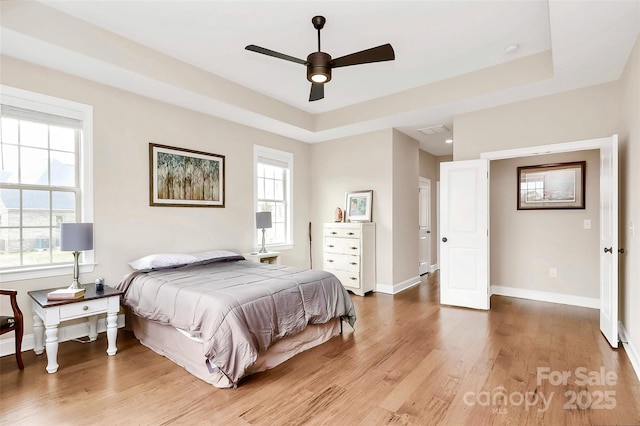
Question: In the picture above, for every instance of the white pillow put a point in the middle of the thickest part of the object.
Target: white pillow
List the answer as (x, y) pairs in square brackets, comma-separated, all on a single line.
[(164, 260)]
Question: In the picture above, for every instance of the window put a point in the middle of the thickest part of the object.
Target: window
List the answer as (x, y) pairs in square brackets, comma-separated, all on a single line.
[(45, 179), (273, 171)]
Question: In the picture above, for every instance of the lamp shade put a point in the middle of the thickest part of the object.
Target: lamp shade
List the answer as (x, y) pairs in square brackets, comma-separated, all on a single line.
[(76, 236), (263, 220)]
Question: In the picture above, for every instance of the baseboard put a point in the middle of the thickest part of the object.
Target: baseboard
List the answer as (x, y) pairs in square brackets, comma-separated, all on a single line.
[(434, 268), (541, 296), (65, 333), (629, 348), (397, 288)]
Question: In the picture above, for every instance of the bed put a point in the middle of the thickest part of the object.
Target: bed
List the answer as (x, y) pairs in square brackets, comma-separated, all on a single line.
[(222, 317)]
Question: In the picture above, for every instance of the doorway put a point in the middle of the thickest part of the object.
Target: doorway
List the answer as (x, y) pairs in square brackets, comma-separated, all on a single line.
[(424, 225)]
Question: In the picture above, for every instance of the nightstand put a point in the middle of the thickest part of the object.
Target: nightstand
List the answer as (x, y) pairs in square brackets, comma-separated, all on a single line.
[(268, 257), (48, 314)]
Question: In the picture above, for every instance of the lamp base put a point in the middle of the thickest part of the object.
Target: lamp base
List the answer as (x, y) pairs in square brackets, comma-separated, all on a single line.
[(263, 249), (75, 285)]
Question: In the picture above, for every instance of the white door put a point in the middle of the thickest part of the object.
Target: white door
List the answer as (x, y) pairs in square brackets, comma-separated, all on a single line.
[(609, 241), (464, 231), (424, 226)]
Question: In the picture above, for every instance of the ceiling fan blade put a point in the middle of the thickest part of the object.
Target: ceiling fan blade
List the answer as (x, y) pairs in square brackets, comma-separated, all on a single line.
[(375, 54), (268, 52), (317, 92)]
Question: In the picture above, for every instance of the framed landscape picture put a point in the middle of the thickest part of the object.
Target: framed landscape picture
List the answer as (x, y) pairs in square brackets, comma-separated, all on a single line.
[(552, 186), (182, 177), (358, 206)]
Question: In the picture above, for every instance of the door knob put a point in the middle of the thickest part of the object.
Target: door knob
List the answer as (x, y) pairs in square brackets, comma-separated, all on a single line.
[(608, 250), (444, 239), (621, 251)]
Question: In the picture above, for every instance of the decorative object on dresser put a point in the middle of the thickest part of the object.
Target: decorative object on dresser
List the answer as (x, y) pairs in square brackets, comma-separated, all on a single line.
[(263, 220), (182, 177), (338, 217), (76, 237), (66, 294), (358, 206), (349, 254)]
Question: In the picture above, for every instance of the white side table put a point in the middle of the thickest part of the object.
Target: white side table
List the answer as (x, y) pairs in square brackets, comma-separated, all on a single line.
[(48, 314), (269, 257)]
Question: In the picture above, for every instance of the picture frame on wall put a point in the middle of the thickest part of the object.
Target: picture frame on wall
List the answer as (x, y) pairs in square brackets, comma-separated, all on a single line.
[(552, 186), (180, 177), (358, 206)]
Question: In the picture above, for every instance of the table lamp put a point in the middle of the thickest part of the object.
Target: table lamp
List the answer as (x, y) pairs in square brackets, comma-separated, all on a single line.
[(263, 220), (76, 237)]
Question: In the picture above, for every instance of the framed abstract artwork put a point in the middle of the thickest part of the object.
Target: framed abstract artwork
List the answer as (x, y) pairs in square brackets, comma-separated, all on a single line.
[(182, 177)]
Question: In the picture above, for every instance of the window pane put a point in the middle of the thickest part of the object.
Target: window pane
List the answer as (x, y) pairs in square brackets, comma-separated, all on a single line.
[(260, 188), (34, 166), (9, 130), (279, 212), (269, 172), (64, 207), (35, 208), (260, 172), (35, 243), (63, 169), (268, 189), (279, 190), (8, 163), (34, 134), (62, 138), (11, 200), (9, 247)]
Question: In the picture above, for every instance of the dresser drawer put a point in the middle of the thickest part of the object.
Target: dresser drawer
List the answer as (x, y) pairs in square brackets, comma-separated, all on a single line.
[(343, 262), (342, 245), (83, 308), (342, 233), (347, 278)]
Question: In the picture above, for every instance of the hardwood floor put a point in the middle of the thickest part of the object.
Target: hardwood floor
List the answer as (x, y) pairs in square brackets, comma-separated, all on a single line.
[(410, 361)]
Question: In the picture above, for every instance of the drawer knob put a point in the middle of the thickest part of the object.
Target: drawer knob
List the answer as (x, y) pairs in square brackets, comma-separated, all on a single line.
[(350, 233), (85, 308), (330, 260), (353, 248), (330, 246), (353, 263), (353, 278), (334, 233)]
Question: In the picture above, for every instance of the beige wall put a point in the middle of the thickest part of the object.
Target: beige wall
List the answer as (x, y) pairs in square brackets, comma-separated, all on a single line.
[(630, 201), (355, 163), (126, 227), (588, 113), (406, 159), (525, 244)]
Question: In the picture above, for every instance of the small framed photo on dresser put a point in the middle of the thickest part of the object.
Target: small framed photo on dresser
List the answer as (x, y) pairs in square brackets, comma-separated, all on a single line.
[(358, 206)]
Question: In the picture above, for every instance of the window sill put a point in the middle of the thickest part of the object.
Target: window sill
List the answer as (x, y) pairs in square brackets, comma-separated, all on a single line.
[(42, 272)]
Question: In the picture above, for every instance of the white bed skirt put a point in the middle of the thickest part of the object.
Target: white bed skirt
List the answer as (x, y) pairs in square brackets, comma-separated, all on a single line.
[(188, 353)]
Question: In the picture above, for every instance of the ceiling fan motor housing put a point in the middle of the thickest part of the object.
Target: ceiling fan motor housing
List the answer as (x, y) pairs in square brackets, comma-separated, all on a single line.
[(319, 65)]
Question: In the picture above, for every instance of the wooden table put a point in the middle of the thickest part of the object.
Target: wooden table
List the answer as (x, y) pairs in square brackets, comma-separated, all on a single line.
[(48, 314)]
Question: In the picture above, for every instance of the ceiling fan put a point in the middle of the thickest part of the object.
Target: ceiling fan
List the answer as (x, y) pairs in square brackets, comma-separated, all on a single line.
[(319, 64)]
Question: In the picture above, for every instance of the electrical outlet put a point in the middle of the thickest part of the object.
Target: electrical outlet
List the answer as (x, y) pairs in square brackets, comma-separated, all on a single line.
[(553, 272)]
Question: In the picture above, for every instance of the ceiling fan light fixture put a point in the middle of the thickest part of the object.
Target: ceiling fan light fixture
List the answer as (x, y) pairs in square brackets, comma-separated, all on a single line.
[(318, 68)]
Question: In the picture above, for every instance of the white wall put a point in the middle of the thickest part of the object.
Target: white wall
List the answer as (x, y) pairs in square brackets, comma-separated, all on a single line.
[(525, 244), (125, 226), (630, 204)]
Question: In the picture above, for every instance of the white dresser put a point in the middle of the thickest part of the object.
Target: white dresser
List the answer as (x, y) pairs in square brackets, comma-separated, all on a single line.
[(349, 253)]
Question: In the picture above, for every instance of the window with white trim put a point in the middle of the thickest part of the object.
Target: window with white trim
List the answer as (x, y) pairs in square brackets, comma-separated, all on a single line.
[(273, 193), (45, 180)]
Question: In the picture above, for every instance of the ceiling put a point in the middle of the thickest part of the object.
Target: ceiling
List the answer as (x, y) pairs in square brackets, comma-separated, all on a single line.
[(434, 42)]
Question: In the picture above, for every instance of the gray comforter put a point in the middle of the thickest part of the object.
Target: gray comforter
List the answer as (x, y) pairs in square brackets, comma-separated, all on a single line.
[(239, 308)]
